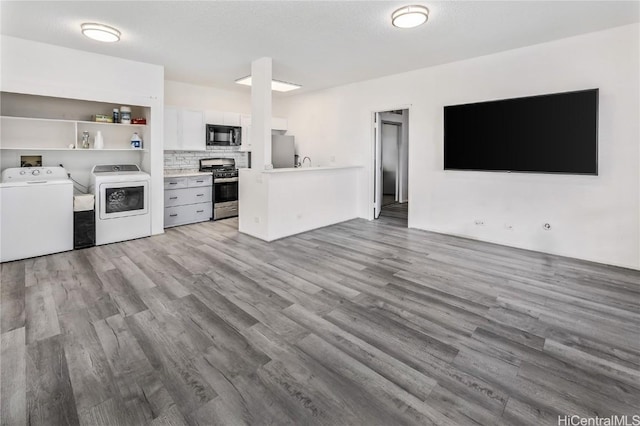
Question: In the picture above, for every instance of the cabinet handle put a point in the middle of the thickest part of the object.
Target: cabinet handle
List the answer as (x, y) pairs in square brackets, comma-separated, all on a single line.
[(173, 183), (173, 215), (200, 181), (173, 198), (199, 195), (199, 211)]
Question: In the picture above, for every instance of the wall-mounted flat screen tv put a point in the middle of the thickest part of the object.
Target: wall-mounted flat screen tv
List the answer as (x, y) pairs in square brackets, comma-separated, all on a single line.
[(555, 133)]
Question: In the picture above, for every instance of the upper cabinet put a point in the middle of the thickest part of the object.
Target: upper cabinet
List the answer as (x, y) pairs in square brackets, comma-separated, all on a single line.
[(193, 133), (222, 118), (171, 133), (237, 119), (245, 122), (278, 123), (184, 129)]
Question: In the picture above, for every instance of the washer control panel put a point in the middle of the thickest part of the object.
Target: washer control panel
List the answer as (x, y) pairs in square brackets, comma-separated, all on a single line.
[(26, 174)]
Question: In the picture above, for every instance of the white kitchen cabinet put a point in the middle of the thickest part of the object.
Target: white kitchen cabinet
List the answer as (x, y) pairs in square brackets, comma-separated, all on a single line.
[(278, 123), (183, 130), (231, 119), (171, 133), (187, 200), (245, 122), (245, 145), (223, 118), (214, 117), (193, 134)]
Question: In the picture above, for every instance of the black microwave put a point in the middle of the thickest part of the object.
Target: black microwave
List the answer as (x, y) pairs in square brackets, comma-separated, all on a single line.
[(217, 135)]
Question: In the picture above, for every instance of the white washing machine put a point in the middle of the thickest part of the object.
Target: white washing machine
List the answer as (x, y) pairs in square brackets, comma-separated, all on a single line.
[(36, 212), (122, 202)]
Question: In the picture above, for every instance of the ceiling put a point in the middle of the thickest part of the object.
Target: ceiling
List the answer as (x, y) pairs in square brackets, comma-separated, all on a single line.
[(317, 44)]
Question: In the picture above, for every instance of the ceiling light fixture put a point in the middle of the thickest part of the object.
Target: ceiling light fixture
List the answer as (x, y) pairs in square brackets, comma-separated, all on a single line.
[(278, 86), (409, 16), (100, 32)]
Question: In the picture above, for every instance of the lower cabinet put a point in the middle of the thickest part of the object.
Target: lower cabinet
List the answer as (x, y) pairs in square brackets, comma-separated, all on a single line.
[(187, 200)]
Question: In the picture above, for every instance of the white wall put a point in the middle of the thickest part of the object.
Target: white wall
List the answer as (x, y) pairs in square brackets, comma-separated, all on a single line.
[(43, 69), (592, 217), (206, 98)]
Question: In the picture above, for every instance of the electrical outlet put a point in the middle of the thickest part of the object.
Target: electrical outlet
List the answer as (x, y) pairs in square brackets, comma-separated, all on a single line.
[(256, 219), (479, 222)]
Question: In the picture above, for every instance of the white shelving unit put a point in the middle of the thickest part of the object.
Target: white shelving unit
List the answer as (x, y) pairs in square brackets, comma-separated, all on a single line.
[(78, 150), (45, 127), (28, 133)]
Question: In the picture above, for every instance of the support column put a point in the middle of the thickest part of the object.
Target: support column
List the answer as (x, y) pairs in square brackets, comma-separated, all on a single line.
[(261, 71)]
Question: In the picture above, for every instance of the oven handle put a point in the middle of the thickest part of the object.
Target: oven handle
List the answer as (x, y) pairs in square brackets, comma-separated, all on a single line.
[(225, 180)]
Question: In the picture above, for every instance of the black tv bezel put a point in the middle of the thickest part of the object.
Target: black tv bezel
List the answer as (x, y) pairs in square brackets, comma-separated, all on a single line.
[(597, 130)]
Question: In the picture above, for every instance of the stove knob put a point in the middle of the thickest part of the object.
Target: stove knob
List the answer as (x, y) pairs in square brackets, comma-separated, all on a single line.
[(35, 172), (49, 172), (22, 172)]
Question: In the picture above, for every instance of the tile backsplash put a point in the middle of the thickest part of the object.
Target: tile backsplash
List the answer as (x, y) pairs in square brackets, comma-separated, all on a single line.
[(175, 160)]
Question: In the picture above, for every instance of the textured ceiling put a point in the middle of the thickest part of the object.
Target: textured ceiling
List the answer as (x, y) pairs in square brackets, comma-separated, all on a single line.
[(317, 44)]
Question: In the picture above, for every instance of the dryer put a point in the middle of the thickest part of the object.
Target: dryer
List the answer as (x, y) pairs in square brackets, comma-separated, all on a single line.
[(122, 202)]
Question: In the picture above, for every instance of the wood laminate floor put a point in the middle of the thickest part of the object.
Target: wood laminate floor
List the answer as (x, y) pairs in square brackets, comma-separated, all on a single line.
[(397, 211), (361, 323)]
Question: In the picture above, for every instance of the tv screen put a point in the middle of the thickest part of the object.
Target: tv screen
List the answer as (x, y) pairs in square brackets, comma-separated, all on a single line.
[(555, 133)]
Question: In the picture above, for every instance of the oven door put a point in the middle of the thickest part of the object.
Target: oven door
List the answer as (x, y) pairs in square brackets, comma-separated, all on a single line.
[(123, 199), (225, 190)]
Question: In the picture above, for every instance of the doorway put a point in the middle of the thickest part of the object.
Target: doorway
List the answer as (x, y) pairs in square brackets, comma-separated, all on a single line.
[(391, 163)]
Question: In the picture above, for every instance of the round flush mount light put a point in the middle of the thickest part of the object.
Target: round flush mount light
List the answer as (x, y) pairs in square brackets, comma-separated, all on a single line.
[(409, 16), (100, 32)]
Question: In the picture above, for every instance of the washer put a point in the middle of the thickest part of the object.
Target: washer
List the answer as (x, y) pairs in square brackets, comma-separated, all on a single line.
[(36, 212), (122, 202)]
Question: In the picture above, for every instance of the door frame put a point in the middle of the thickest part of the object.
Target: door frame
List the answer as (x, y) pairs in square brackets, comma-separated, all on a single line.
[(371, 193), (398, 128)]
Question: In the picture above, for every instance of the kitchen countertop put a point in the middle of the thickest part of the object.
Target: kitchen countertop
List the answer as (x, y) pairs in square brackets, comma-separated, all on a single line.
[(309, 169), (184, 173)]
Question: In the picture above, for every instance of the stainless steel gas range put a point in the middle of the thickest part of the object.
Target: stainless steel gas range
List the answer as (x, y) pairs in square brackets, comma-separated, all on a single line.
[(225, 185)]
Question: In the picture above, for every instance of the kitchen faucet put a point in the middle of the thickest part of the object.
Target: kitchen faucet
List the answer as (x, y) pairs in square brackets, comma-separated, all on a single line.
[(304, 159)]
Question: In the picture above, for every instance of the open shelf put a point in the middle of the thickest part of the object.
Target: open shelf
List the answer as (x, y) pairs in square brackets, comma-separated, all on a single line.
[(52, 134), (72, 149), (79, 122)]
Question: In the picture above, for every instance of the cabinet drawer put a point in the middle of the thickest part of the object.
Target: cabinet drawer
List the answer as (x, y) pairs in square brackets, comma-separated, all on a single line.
[(180, 197), (174, 183), (202, 212), (182, 215), (200, 181)]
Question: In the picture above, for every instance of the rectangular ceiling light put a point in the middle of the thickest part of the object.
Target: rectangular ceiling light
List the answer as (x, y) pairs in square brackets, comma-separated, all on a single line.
[(278, 86)]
